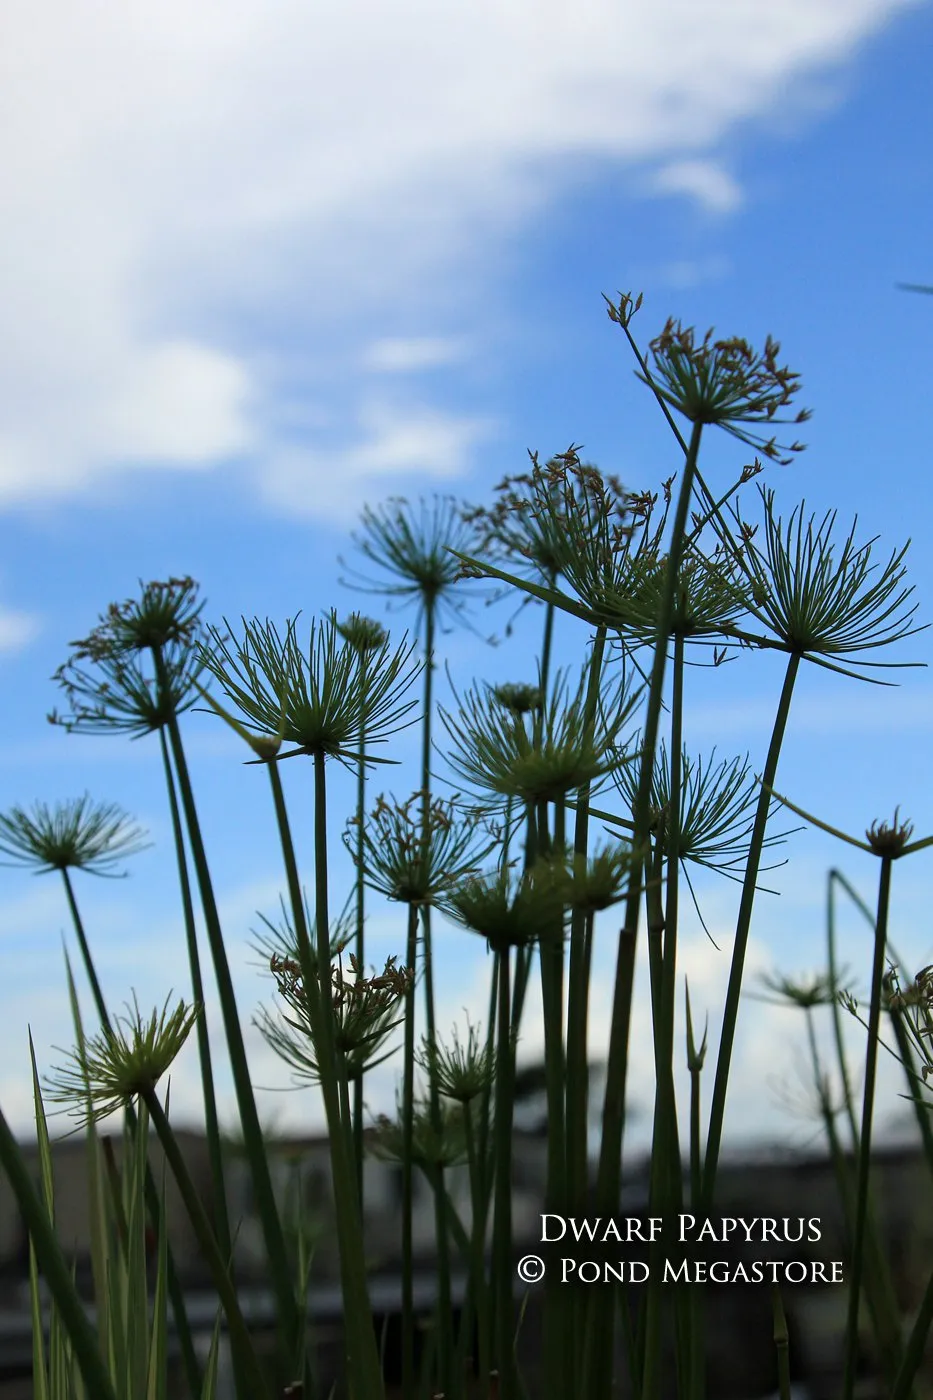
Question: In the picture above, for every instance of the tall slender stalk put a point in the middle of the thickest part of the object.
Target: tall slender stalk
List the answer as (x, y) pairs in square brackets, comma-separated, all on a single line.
[(359, 945), (245, 1353), (363, 1357), (916, 1348), (290, 1320), (841, 1062), (49, 1255), (868, 1104), (880, 1295), (581, 933), (408, 1120), (600, 1318), (576, 1092), (176, 1293), (211, 1119), (445, 1315), (742, 930), (502, 1220), (88, 961), (478, 1295)]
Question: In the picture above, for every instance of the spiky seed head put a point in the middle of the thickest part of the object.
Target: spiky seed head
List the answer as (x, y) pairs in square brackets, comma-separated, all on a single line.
[(805, 992), (889, 838), (363, 633), (414, 547), (824, 599), (415, 851), (461, 1070), (112, 1068), (431, 1148), (726, 383), (518, 699), (164, 612), (596, 882), (122, 692), (319, 698), (365, 1011), (73, 835), (493, 750), (510, 911)]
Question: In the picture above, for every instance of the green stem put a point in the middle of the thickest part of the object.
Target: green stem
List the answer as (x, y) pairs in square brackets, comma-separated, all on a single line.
[(246, 1356), (502, 1222), (558, 1303), (916, 1348), (880, 1295), (868, 1103), (837, 1009), (547, 642), (671, 908), (86, 953), (445, 1334), (921, 1110), (176, 1293), (211, 1119), (360, 930), (360, 1338), (48, 1252), (408, 1118), (742, 930), (480, 1296), (879, 1290), (581, 935), (290, 1319), (781, 1344), (661, 1141), (447, 1379), (600, 1319)]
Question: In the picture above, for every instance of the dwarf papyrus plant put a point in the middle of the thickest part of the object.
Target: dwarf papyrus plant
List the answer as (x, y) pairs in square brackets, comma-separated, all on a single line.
[(579, 790), (694, 573), (125, 1351), (901, 1359)]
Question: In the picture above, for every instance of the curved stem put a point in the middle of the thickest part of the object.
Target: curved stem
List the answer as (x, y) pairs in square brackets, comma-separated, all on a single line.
[(836, 1008)]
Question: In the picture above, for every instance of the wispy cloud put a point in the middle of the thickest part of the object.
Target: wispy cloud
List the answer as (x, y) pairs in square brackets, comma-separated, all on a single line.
[(402, 355), (702, 180), (391, 442), (17, 629), (170, 178), (691, 272)]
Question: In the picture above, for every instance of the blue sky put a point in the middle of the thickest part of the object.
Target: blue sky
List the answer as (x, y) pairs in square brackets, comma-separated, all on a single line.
[(260, 268)]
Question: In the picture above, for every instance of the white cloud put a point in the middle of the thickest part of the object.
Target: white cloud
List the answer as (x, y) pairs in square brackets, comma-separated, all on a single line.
[(169, 175), (391, 442), (690, 272), (702, 180), (17, 629), (401, 355)]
